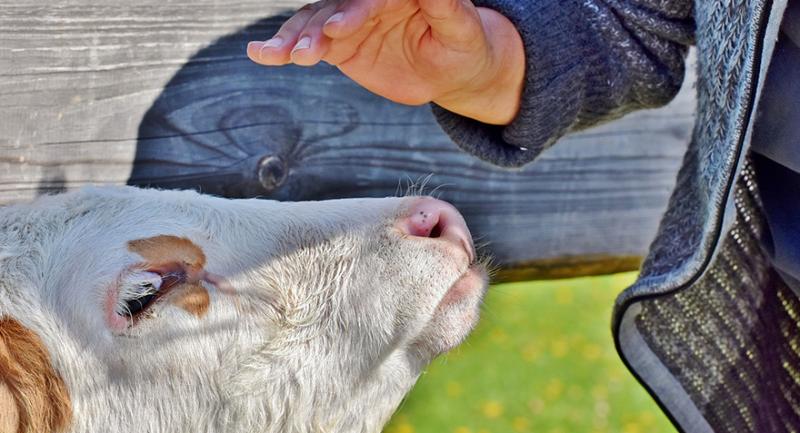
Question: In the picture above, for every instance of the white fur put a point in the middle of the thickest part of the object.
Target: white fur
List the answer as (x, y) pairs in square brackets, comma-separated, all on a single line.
[(335, 312)]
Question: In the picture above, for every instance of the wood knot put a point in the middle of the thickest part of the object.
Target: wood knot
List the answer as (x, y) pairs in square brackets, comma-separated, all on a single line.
[(272, 172)]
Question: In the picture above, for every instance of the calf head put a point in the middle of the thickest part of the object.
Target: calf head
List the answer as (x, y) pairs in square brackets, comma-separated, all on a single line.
[(124, 309)]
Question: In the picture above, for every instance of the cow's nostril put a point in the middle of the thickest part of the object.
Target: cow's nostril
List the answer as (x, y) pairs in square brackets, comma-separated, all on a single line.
[(431, 218), (436, 231)]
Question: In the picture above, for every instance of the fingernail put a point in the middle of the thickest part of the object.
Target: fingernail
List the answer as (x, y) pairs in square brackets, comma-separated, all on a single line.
[(335, 18), (275, 42), (303, 43), (254, 45)]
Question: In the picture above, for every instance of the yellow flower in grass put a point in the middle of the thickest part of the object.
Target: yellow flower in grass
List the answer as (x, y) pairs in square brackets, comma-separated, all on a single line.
[(647, 418), (553, 389), (401, 427), (631, 427), (530, 352), (559, 348), (520, 424), (492, 409), (462, 429)]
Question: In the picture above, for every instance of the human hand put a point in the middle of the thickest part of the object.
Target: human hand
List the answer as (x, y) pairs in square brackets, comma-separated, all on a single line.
[(468, 60)]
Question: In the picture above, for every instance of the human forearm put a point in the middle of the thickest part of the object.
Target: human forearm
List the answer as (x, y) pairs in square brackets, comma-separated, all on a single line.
[(586, 63), (493, 97)]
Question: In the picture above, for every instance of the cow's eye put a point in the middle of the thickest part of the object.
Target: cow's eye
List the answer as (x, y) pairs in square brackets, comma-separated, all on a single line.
[(147, 294), (141, 289), (137, 291)]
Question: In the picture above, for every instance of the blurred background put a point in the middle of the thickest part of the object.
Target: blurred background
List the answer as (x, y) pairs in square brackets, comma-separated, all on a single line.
[(541, 360), (159, 93)]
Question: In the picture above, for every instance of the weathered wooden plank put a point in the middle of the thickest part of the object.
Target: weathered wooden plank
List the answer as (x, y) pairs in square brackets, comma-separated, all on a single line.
[(160, 93)]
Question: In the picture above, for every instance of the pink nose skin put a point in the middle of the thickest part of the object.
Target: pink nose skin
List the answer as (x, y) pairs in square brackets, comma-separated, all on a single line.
[(432, 218)]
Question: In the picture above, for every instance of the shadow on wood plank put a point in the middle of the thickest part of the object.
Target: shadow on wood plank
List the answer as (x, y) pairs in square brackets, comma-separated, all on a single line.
[(225, 126)]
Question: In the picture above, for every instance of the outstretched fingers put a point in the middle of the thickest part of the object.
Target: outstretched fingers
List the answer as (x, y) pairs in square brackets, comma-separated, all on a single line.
[(312, 44), (352, 16), (290, 37)]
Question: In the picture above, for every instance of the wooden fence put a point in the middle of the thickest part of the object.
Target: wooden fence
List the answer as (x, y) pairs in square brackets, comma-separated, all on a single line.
[(160, 93)]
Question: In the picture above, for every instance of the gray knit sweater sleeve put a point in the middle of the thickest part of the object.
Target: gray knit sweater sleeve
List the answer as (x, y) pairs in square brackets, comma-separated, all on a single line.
[(587, 61)]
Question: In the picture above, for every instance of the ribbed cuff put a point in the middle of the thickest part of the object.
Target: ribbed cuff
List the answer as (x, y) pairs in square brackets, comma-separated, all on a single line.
[(553, 33)]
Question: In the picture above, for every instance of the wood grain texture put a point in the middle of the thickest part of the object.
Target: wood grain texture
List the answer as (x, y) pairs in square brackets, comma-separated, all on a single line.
[(160, 93)]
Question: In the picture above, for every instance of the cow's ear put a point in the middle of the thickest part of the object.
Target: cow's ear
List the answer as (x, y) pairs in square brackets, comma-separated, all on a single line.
[(33, 397)]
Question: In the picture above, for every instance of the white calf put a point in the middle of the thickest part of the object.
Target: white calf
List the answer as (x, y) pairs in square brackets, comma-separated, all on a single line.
[(129, 310)]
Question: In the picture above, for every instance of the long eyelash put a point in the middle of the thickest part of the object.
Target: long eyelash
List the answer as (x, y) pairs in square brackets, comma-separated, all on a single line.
[(166, 279), (131, 292)]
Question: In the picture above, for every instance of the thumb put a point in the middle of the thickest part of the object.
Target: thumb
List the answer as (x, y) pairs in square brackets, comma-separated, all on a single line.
[(453, 22)]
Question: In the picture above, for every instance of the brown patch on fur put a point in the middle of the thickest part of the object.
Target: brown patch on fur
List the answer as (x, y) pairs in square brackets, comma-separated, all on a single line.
[(31, 390), (164, 252), (165, 249), (193, 298), (9, 417)]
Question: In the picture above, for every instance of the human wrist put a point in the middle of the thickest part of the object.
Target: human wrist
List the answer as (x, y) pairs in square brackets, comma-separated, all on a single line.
[(493, 95)]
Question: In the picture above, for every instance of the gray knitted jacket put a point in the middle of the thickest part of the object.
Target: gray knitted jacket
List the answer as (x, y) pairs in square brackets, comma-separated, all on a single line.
[(709, 328)]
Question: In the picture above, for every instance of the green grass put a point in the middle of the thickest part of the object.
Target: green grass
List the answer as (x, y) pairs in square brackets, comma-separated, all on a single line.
[(541, 360)]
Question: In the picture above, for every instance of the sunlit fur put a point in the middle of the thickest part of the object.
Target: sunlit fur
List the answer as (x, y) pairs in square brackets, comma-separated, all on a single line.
[(335, 312)]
